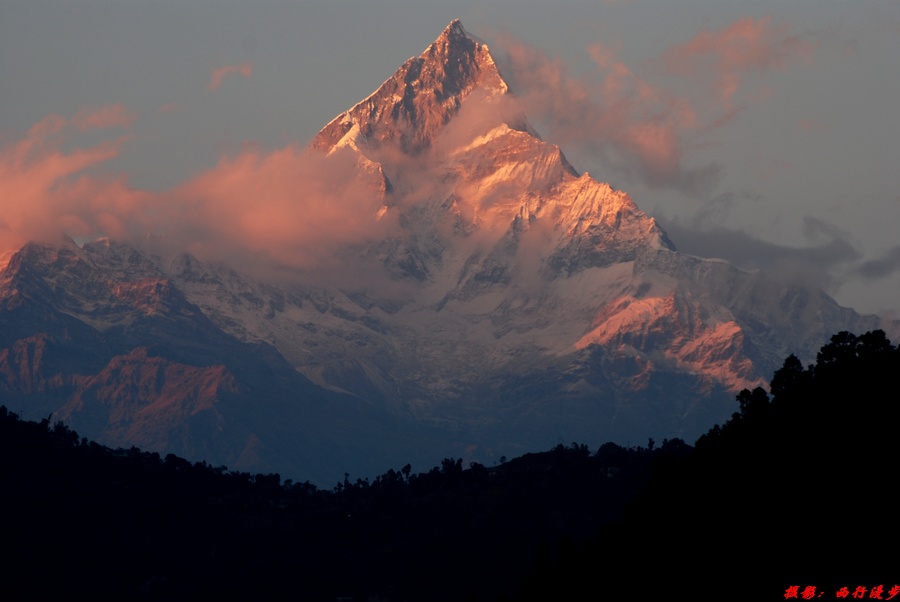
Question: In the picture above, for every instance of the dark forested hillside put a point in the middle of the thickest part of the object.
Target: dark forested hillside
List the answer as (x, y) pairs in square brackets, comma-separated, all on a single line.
[(126, 524), (792, 498)]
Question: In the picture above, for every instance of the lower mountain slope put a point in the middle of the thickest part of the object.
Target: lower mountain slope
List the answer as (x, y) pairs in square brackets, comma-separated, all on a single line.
[(149, 369), (179, 355)]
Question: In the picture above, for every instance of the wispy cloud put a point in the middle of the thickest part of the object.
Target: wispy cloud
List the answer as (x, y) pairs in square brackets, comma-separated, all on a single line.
[(721, 60), (612, 113), (293, 208), (886, 265), (244, 69), (287, 207), (828, 252), (47, 189), (648, 124), (109, 116)]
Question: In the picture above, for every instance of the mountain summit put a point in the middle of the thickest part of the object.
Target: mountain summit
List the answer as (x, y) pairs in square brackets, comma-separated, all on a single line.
[(409, 109), (503, 303)]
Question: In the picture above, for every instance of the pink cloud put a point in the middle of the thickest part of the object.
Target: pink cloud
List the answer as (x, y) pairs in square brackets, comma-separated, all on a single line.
[(723, 58), (244, 69), (48, 190), (299, 209), (287, 207), (108, 116), (645, 126), (630, 123), (170, 107)]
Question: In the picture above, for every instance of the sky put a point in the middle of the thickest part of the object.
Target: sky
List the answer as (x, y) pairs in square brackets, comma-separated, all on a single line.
[(762, 132)]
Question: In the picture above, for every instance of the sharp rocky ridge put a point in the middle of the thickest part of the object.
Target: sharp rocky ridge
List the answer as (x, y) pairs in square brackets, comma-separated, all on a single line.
[(513, 303)]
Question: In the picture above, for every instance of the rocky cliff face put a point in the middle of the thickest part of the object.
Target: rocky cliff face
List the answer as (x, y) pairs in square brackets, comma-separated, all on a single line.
[(513, 304)]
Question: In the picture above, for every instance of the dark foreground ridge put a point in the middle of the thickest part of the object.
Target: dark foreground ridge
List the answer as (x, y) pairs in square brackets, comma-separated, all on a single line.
[(794, 492), (791, 498), (127, 524)]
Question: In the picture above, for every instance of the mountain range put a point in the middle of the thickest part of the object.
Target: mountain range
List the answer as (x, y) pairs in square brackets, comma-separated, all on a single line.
[(501, 302)]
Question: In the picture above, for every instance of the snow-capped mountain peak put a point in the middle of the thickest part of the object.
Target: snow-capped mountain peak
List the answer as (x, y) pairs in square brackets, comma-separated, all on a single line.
[(411, 107), (503, 299)]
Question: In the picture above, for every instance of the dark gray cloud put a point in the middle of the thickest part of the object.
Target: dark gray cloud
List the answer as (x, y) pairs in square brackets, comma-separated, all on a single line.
[(884, 266), (814, 263)]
